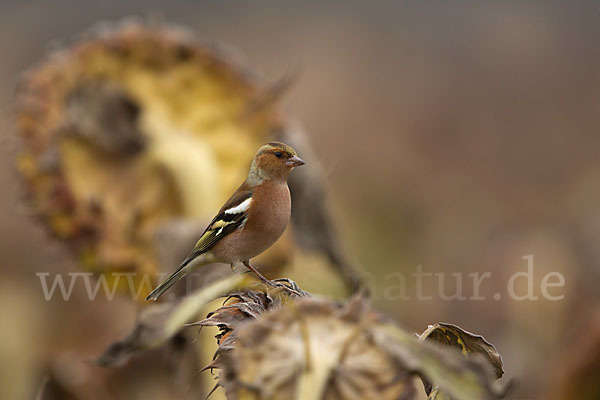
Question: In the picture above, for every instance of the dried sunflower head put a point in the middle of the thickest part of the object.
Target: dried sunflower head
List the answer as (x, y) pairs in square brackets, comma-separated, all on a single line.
[(306, 349), (311, 348), (138, 130)]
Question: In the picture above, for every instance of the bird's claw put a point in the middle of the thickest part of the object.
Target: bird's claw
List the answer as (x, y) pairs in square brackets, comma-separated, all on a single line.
[(289, 286)]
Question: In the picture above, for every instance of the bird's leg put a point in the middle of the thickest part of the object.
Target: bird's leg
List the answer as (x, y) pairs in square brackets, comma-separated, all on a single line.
[(258, 274)]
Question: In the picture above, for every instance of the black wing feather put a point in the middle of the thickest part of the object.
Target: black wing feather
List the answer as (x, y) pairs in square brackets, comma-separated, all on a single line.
[(222, 225)]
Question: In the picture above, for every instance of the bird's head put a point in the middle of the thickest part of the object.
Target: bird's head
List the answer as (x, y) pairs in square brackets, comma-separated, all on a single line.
[(274, 160)]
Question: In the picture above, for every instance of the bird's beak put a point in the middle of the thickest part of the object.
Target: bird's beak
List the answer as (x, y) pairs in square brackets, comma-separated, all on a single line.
[(294, 161)]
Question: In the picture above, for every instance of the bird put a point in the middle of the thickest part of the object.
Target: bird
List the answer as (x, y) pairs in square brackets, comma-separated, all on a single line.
[(250, 222)]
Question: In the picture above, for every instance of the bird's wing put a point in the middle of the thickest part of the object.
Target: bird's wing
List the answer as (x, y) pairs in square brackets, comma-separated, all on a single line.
[(233, 215)]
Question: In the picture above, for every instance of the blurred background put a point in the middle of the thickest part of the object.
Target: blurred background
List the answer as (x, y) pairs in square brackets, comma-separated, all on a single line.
[(456, 136)]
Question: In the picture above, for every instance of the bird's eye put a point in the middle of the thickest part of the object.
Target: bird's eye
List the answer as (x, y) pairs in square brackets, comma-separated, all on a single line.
[(278, 154)]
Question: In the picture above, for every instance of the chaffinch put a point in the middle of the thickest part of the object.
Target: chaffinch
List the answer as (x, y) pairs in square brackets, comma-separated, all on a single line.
[(253, 218)]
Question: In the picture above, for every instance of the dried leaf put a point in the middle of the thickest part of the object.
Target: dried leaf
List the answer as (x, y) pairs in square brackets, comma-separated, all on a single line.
[(462, 378), (469, 344), (160, 321)]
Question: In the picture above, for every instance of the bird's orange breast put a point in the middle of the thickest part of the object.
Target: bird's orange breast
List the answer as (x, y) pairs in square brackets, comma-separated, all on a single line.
[(268, 216)]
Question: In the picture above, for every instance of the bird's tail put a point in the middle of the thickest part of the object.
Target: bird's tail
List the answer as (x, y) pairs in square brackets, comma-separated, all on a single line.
[(170, 281)]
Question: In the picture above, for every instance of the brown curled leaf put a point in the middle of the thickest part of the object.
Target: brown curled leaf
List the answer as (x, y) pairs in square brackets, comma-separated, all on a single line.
[(469, 344)]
